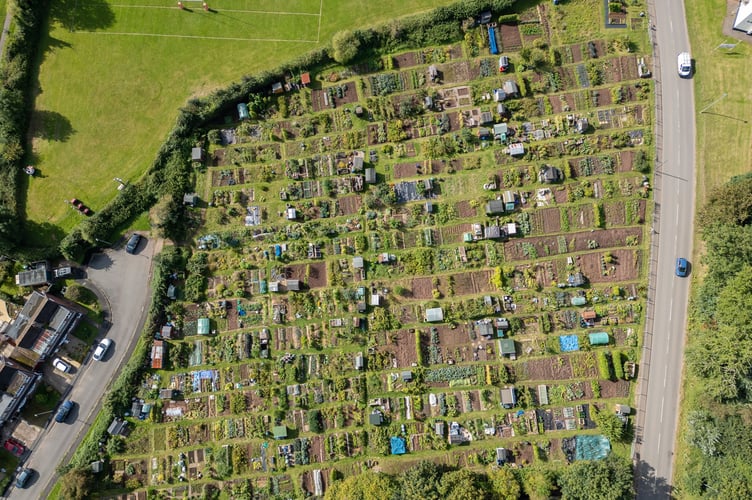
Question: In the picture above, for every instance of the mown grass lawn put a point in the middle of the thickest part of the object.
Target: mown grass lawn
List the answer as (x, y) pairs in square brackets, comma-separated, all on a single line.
[(112, 77)]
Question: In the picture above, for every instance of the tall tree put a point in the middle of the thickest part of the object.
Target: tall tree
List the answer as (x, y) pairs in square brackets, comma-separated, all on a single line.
[(607, 479), (463, 484), (366, 486), (421, 481), (504, 484), (538, 483), (345, 46)]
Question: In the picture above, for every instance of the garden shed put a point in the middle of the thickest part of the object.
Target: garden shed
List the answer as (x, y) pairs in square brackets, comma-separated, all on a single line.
[(376, 418), (517, 149), (500, 131), (495, 207), (158, 351), (279, 432), (370, 175), (506, 348), (293, 285), (434, 315), (204, 326), (598, 338), (510, 201), (197, 154)]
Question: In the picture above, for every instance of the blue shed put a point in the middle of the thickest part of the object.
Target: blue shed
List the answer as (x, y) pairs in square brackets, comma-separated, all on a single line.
[(278, 250), (243, 111)]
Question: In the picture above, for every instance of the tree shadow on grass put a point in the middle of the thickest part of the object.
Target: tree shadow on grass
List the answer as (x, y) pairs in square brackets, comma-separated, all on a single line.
[(76, 15), (51, 126)]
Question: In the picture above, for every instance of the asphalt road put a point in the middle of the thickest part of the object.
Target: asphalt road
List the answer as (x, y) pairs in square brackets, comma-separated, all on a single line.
[(123, 279), (674, 197)]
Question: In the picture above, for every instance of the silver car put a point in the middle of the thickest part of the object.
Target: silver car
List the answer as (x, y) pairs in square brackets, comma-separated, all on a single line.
[(101, 349)]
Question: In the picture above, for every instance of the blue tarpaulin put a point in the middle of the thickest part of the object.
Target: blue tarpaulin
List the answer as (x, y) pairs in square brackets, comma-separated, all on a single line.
[(397, 444)]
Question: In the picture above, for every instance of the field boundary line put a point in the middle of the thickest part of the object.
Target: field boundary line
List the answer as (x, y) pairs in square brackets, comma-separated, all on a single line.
[(198, 37), (218, 11), (321, 14)]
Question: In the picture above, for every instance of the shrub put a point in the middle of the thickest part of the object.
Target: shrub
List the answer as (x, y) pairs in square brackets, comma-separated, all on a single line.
[(604, 365), (618, 365)]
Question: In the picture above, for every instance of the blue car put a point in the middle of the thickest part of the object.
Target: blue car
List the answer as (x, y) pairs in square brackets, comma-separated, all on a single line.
[(682, 267)]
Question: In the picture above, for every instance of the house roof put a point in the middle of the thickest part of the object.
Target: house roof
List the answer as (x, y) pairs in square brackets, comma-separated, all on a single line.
[(40, 275), (485, 329), (510, 87), (517, 149), (305, 78), (375, 418), (197, 154), (370, 175), (293, 285), (493, 232), (589, 315), (190, 198)]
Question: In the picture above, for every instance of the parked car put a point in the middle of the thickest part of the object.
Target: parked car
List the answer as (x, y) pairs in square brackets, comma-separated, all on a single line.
[(101, 349), (682, 267), (60, 365), (64, 410), (15, 447), (684, 61), (133, 242), (23, 477)]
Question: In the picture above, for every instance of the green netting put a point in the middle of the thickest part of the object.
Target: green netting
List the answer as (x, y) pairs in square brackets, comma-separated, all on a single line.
[(592, 447)]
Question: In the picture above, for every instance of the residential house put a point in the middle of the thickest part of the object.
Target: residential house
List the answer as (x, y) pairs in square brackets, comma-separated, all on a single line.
[(39, 327), (16, 385)]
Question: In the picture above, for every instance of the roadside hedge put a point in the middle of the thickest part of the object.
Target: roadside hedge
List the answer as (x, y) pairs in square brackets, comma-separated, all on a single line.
[(15, 105)]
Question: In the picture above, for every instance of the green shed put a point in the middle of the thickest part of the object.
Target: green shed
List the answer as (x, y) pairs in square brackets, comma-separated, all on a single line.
[(598, 338), (204, 326), (279, 432)]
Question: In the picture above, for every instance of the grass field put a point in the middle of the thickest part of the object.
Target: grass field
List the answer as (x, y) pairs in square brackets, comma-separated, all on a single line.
[(112, 75)]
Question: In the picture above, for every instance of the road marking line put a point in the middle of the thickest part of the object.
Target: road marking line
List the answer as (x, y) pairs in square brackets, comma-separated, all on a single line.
[(665, 377), (662, 401), (658, 450), (670, 309)]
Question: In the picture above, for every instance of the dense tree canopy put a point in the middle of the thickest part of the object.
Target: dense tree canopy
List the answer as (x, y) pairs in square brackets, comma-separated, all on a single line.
[(421, 481), (607, 479), (345, 46), (366, 486)]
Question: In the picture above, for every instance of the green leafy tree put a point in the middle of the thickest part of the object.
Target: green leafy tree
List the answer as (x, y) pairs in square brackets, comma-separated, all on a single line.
[(76, 484), (463, 484), (538, 483), (344, 46), (421, 481), (609, 424), (504, 484), (365, 486), (607, 479)]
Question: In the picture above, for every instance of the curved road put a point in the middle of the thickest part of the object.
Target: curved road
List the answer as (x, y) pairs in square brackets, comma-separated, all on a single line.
[(124, 280), (662, 361)]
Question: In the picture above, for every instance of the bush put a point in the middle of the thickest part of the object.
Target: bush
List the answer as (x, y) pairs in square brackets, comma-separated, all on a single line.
[(604, 365), (314, 421), (618, 365)]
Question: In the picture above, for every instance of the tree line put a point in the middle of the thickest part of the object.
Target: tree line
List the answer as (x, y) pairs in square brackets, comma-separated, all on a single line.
[(719, 351)]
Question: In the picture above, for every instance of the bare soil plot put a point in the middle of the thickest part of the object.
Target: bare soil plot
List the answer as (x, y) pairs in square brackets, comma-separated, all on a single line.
[(616, 214), (625, 266), (471, 283), (561, 103), (618, 389), (547, 220), (465, 210), (577, 242), (422, 288), (401, 345), (511, 39), (348, 205), (349, 96), (403, 170), (407, 60)]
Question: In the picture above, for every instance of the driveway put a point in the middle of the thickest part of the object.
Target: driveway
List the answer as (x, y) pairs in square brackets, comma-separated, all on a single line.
[(122, 281)]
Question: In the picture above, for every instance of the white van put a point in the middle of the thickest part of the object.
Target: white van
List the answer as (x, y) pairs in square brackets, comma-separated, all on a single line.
[(685, 64)]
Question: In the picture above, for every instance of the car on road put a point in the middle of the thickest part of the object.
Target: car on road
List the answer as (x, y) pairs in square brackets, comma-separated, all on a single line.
[(682, 267), (60, 365), (23, 477), (15, 447), (64, 410), (684, 61), (101, 349), (133, 242)]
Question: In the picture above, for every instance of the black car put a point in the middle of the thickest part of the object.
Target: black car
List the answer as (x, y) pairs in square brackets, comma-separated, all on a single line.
[(133, 242)]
